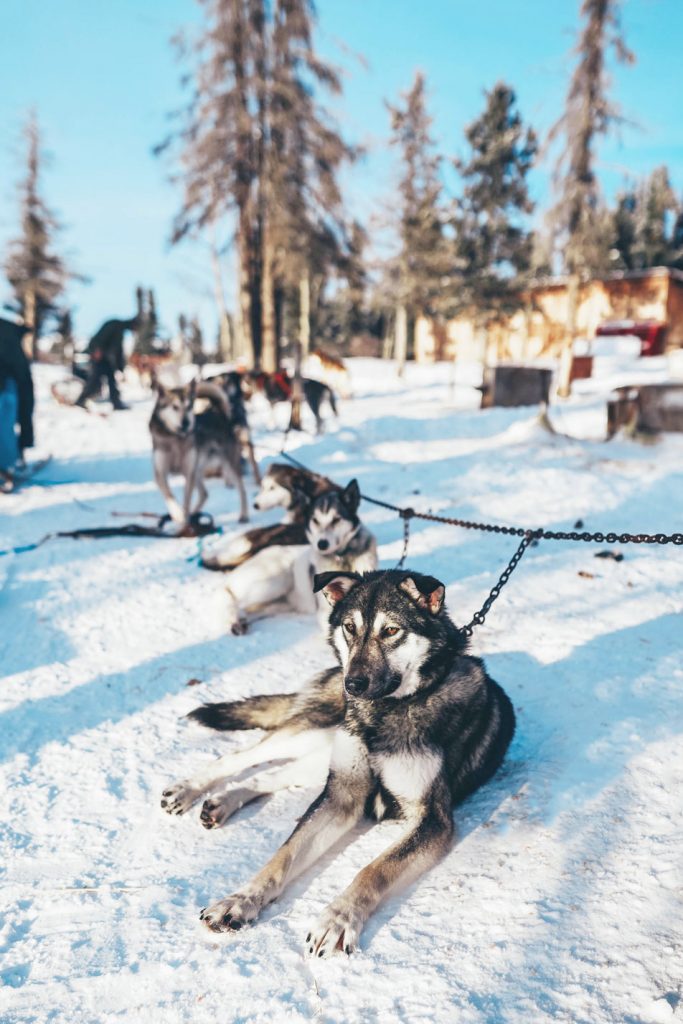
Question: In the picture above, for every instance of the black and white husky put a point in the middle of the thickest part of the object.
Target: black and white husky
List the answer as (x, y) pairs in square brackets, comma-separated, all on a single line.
[(196, 445), (409, 725), (279, 575), (282, 486)]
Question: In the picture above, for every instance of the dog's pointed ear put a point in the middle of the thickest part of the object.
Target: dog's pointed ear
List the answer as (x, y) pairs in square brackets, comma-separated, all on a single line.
[(335, 585), (351, 495), (425, 591)]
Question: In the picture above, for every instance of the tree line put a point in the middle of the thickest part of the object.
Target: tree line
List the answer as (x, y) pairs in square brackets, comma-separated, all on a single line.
[(257, 158)]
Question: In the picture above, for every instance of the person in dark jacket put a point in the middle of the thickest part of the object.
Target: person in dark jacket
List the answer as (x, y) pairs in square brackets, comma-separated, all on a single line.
[(16, 400), (106, 357)]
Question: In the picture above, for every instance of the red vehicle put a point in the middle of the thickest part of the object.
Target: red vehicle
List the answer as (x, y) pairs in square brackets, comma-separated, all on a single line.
[(652, 334)]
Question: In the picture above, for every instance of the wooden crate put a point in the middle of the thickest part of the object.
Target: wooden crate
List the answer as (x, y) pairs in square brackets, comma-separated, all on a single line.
[(649, 408), (511, 385)]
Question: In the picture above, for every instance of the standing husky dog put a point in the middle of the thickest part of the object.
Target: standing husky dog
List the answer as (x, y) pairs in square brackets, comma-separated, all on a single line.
[(195, 445), (231, 383), (415, 724), (277, 387), (285, 486), (281, 574)]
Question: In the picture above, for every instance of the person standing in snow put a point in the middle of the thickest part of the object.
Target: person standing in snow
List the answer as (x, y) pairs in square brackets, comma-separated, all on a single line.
[(16, 401), (106, 357)]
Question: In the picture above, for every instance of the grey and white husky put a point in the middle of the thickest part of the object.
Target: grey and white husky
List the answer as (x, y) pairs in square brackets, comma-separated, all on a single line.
[(408, 725), (196, 445), (279, 576)]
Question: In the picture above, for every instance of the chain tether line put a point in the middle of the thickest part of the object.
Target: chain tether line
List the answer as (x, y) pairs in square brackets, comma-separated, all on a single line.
[(527, 536)]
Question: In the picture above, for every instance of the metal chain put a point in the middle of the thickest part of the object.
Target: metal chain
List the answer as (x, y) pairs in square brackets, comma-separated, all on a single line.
[(528, 536), (479, 617), (521, 531), (406, 516)]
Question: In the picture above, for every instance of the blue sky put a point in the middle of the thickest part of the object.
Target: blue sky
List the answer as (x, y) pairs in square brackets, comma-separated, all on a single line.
[(103, 79)]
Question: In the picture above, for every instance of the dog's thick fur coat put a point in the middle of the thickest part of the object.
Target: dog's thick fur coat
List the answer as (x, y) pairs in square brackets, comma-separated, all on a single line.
[(194, 445), (416, 725)]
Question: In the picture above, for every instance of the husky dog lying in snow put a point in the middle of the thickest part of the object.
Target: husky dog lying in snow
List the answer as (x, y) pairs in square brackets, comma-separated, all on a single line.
[(408, 724), (196, 445), (282, 486), (281, 574), (337, 537)]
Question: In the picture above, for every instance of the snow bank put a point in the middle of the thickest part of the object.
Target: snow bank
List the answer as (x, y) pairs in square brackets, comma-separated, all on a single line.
[(561, 900)]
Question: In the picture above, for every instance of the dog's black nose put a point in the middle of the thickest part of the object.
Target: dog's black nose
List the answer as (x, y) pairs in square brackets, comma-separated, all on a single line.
[(256, 505), (355, 685), (323, 545)]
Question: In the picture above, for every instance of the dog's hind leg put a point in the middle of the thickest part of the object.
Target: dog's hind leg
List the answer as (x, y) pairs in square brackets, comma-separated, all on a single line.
[(308, 772), (260, 581), (283, 744)]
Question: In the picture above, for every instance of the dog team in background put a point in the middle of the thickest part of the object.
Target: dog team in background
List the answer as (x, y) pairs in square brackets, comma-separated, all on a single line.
[(405, 726)]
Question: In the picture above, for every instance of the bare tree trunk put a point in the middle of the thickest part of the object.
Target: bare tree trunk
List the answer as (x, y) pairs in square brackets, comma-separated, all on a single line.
[(269, 361), (246, 338), (567, 355), (388, 342), (401, 339), (297, 390), (224, 333), (29, 341), (305, 314)]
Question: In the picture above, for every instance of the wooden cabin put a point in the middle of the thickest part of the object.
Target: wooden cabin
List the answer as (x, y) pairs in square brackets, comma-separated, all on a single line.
[(538, 329)]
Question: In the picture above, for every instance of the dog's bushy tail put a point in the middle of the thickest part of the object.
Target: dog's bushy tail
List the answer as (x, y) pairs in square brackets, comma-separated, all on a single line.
[(264, 712), (319, 705)]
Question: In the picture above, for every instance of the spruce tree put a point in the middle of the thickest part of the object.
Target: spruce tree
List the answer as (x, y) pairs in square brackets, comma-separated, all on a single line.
[(493, 245), (589, 113), (37, 274), (624, 229), (418, 271), (656, 205)]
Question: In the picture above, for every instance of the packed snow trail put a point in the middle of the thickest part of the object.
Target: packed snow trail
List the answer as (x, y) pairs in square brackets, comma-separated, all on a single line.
[(561, 900)]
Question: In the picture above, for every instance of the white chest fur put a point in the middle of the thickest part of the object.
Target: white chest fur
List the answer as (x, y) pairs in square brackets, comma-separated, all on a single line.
[(409, 777)]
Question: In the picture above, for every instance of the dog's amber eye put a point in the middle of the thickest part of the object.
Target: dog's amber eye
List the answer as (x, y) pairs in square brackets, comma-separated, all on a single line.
[(350, 628), (390, 631)]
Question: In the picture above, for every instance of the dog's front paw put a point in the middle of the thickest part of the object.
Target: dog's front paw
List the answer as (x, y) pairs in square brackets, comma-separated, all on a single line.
[(178, 799), (337, 930), (233, 912), (216, 810)]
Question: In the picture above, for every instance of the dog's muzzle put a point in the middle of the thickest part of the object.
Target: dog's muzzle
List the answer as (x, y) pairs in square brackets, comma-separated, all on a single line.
[(356, 685)]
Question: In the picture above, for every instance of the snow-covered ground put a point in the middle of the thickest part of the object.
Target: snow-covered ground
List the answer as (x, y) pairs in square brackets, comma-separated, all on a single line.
[(561, 900)]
